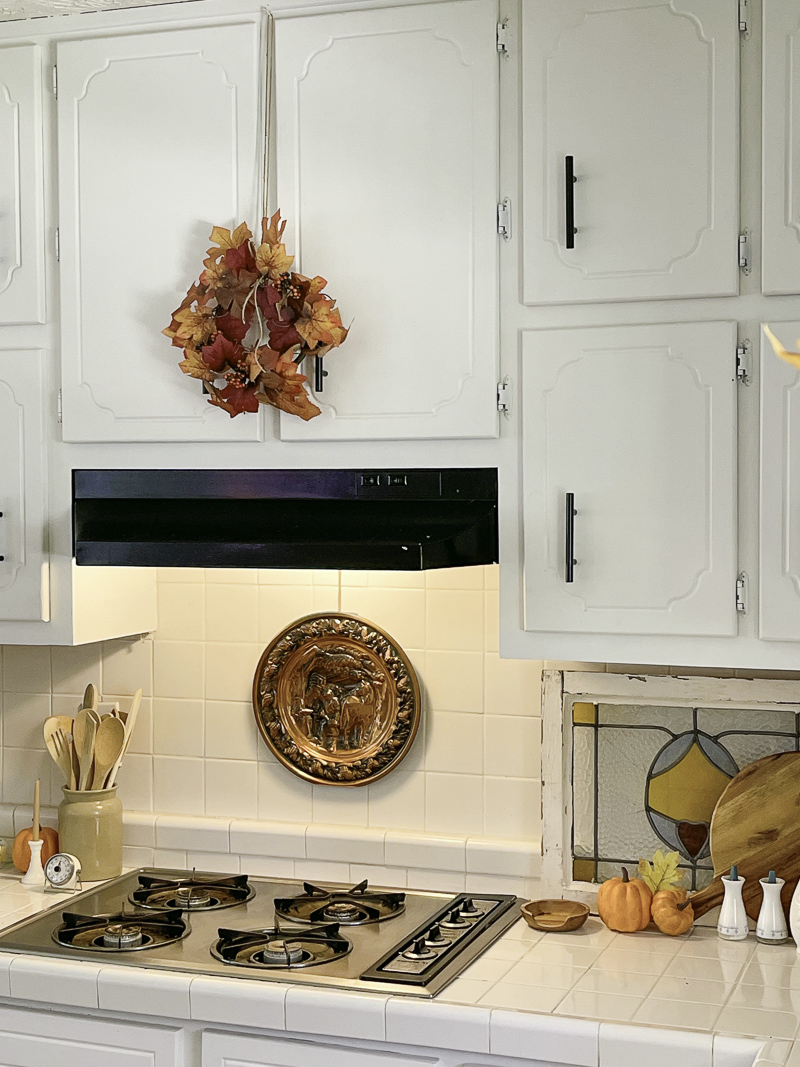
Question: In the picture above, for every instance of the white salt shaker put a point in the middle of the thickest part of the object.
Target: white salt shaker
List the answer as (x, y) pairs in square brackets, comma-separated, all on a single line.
[(771, 925), (732, 924)]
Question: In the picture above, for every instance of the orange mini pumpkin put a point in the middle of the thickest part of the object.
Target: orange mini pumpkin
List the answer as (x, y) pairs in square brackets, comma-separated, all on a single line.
[(672, 913), (624, 903)]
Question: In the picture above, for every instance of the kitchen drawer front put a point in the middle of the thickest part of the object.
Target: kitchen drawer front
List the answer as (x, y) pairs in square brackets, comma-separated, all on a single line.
[(22, 286), (642, 98), (387, 173), (158, 137), (24, 592), (235, 1050), (639, 424)]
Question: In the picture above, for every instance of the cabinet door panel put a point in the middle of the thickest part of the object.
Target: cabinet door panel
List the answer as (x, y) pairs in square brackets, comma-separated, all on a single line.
[(643, 96), (387, 171), (24, 593), (781, 132), (235, 1050), (22, 298), (157, 143), (639, 423), (779, 536)]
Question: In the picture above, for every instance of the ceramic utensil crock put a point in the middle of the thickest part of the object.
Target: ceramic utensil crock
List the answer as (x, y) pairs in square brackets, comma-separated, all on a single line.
[(90, 827)]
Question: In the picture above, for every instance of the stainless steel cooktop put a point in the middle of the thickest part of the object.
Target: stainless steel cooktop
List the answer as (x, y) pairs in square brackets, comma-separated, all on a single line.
[(353, 937)]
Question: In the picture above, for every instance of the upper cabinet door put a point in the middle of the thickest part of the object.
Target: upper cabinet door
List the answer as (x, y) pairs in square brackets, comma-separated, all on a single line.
[(24, 592), (781, 132), (638, 424), (779, 536), (387, 173), (157, 137), (640, 99), (22, 298)]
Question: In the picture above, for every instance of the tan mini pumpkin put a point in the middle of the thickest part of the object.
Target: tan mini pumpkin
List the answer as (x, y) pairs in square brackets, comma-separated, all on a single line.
[(672, 913), (624, 903)]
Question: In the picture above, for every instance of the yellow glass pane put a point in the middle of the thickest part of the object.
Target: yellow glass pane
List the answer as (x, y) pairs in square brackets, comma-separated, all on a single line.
[(688, 791), (584, 713), (583, 870)]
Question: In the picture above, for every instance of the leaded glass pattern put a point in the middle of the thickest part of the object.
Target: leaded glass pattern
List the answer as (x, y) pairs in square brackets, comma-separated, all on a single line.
[(648, 777)]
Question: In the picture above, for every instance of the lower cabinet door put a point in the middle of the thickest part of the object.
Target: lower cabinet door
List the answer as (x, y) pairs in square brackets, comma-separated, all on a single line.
[(24, 593), (779, 520), (47, 1039), (234, 1050), (638, 424)]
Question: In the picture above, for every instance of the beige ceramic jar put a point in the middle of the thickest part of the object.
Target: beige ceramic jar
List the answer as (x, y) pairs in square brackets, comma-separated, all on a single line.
[(90, 827)]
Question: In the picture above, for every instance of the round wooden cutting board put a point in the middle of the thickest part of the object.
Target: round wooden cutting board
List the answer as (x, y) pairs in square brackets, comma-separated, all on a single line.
[(756, 825)]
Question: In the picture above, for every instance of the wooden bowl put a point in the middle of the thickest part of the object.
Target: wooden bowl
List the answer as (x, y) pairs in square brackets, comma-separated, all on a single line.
[(554, 915)]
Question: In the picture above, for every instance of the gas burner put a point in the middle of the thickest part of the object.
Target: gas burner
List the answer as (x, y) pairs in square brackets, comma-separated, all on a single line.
[(281, 949), (126, 931), (348, 907), (204, 892)]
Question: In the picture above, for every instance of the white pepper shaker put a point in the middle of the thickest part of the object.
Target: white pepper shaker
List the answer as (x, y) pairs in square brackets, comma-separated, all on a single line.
[(732, 924), (771, 925)]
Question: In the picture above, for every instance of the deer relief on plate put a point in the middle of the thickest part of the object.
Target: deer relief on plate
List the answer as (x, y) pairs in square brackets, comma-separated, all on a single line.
[(336, 699)]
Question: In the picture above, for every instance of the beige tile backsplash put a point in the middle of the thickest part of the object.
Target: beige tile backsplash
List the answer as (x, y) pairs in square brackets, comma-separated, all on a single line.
[(474, 770)]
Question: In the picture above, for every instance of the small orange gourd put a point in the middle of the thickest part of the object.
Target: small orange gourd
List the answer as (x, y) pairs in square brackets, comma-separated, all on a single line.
[(672, 913), (624, 903)]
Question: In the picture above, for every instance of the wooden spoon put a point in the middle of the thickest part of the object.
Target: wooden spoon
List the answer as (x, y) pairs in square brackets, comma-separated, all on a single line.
[(83, 731), (130, 725), (108, 744), (90, 697)]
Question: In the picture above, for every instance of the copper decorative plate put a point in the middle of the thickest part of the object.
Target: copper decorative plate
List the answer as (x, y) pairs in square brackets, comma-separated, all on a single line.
[(336, 699)]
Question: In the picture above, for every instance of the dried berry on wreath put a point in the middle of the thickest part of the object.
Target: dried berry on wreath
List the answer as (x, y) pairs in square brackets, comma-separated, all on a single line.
[(250, 320)]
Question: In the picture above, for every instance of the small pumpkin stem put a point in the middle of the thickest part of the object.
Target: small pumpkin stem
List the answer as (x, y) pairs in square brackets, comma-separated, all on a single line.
[(625, 877)]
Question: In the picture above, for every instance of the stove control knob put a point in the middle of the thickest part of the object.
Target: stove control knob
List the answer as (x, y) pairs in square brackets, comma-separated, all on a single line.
[(455, 917), (468, 907), (435, 937)]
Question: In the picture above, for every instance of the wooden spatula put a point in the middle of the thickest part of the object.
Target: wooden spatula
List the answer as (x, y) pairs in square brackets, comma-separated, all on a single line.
[(83, 731), (108, 744), (130, 725)]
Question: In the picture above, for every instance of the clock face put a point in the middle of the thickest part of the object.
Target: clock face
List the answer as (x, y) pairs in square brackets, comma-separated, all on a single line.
[(60, 869)]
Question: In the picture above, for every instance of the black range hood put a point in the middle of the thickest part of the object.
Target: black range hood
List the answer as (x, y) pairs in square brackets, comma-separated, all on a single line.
[(329, 519)]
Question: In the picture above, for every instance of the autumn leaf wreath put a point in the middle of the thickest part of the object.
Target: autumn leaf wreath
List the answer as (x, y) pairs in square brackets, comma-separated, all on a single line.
[(250, 321)]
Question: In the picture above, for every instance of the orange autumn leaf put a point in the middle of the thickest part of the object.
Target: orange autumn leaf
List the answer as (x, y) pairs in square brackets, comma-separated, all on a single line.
[(223, 239), (320, 318), (194, 327), (273, 260), (194, 366), (272, 232)]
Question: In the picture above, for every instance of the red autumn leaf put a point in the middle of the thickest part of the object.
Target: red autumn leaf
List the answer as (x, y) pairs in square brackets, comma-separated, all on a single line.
[(234, 399), (232, 327), (241, 258), (222, 351)]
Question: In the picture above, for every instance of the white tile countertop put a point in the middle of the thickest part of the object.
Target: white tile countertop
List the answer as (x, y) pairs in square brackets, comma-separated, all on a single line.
[(587, 998)]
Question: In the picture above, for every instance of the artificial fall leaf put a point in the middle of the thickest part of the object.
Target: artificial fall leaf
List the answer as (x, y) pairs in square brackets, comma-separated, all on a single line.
[(234, 399), (194, 327), (194, 366), (790, 357), (241, 258), (233, 291), (273, 260), (222, 352), (232, 327), (214, 273), (289, 395), (663, 872), (196, 293), (320, 318), (272, 231), (223, 239)]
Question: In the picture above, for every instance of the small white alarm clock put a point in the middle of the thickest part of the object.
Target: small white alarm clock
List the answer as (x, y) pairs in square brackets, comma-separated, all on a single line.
[(62, 873)]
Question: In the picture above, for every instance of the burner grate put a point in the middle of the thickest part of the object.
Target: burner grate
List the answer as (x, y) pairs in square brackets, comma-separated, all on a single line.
[(350, 907), (124, 931), (277, 948), (196, 892)]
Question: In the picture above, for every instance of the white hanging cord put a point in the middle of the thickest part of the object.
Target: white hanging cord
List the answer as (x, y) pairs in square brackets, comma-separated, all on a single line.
[(269, 66)]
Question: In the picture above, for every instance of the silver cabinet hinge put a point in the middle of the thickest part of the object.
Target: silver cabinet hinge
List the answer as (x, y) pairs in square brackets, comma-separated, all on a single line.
[(744, 252), (502, 37), (744, 350), (504, 219), (504, 397), (741, 594), (60, 406), (55, 81), (57, 243), (744, 18)]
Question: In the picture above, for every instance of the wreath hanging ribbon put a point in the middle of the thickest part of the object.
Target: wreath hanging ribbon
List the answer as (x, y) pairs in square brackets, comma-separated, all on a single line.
[(250, 321)]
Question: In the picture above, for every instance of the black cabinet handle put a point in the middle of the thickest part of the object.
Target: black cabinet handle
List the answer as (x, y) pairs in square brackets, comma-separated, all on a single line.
[(319, 374), (569, 204), (569, 539)]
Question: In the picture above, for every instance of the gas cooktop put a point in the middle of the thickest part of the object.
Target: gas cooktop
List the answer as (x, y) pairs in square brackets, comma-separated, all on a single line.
[(352, 937)]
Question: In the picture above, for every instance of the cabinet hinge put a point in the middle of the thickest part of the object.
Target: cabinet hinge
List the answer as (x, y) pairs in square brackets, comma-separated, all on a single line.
[(741, 594), (744, 252), (502, 37), (744, 350), (55, 81), (57, 243), (60, 406), (504, 397), (504, 219), (744, 18)]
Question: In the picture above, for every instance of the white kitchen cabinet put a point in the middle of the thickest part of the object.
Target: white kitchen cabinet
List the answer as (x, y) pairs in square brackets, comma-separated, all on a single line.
[(158, 136), (779, 534), (781, 148), (639, 424), (22, 287), (24, 593), (387, 149), (44, 1038), (641, 97), (222, 1049)]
